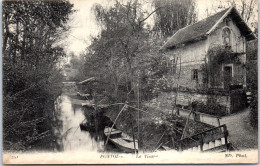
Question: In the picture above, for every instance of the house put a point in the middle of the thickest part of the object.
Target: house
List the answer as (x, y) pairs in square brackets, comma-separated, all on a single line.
[(210, 54)]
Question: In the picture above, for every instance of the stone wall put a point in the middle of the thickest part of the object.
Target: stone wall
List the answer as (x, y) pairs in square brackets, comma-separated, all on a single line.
[(166, 100)]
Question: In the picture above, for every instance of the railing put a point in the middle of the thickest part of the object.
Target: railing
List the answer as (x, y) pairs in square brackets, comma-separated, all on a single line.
[(206, 140)]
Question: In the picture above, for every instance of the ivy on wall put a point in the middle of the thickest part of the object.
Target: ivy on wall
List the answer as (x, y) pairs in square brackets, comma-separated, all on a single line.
[(212, 71)]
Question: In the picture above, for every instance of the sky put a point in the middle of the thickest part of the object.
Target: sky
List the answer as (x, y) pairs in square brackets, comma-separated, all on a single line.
[(83, 25)]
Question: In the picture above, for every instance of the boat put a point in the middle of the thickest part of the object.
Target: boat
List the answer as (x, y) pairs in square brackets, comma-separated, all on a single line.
[(90, 104), (87, 126), (87, 103), (121, 140), (83, 96)]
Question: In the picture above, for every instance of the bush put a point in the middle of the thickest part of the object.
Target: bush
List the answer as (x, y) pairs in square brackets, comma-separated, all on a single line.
[(252, 80), (211, 107), (254, 110)]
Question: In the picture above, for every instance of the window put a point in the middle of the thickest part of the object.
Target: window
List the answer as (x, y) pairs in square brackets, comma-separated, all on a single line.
[(226, 36), (195, 74)]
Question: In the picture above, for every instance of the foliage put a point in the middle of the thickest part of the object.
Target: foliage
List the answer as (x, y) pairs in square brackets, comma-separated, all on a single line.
[(173, 15), (252, 81), (73, 68), (211, 107), (126, 53), (125, 58), (154, 69), (31, 78), (119, 55), (75, 62), (161, 85), (222, 54), (211, 71)]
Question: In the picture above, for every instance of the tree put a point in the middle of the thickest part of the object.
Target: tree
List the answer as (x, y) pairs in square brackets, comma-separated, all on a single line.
[(252, 81), (31, 30), (123, 38), (246, 8), (174, 15)]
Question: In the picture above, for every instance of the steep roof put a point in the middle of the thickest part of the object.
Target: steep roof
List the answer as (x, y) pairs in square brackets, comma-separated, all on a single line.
[(201, 29)]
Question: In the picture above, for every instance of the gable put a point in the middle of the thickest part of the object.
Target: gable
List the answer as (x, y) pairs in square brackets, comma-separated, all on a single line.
[(203, 28), (241, 24)]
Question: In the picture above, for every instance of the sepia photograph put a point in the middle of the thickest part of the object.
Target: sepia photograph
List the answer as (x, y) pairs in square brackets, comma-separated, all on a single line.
[(129, 82)]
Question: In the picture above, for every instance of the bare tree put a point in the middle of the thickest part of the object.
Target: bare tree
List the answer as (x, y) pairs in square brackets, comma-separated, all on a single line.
[(247, 8)]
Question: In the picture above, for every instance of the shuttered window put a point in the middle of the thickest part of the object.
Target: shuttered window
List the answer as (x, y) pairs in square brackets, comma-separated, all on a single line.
[(195, 74)]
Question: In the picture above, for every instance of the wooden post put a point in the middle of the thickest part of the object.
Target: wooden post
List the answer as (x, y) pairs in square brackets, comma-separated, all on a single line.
[(201, 143), (225, 136), (173, 143), (177, 86), (95, 111), (133, 136), (138, 106), (159, 141), (218, 122), (186, 125), (180, 147)]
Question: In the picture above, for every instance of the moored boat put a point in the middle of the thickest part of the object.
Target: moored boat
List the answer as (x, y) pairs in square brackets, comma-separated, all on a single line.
[(120, 139), (83, 95), (87, 126), (87, 103)]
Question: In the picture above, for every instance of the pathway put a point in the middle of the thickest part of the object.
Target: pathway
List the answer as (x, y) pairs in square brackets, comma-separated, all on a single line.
[(241, 134)]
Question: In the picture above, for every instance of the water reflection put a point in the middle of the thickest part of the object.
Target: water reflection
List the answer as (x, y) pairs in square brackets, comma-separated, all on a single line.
[(73, 139)]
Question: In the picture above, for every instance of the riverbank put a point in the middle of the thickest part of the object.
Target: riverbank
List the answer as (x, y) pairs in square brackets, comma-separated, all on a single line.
[(29, 118), (241, 133), (156, 128)]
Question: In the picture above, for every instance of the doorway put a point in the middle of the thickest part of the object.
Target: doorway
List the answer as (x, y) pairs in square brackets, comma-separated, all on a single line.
[(227, 76)]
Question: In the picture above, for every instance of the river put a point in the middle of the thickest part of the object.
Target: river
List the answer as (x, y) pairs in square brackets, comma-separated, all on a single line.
[(72, 138)]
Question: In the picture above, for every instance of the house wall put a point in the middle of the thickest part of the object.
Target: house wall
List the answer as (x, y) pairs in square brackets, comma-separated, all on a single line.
[(238, 41), (238, 44), (192, 56), (188, 57), (239, 75)]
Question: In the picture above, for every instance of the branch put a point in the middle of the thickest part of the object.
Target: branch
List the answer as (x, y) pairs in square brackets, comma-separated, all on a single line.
[(25, 90), (150, 15), (251, 8)]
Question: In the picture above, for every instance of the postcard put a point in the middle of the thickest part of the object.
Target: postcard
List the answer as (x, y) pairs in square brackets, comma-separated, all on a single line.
[(130, 82)]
